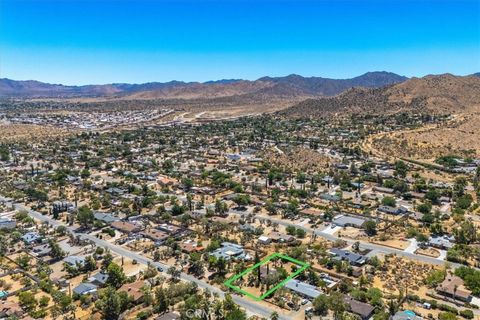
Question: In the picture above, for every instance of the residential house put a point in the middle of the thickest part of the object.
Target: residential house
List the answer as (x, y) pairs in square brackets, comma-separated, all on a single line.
[(230, 251), (125, 227), (105, 217), (364, 310), (329, 197), (31, 237), (171, 229), (348, 221), (442, 242), (10, 309), (85, 288), (454, 287), (99, 278), (280, 237), (190, 246), (383, 190), (155, 235), (312, 212), (134, 290), (264, 240), (302, 288), (74, 261), (353, 258), (7, 224), (41, 250), (392, 210)]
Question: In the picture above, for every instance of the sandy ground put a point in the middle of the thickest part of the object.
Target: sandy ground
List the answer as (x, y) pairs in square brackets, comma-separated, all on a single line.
[(10, 132), (428, 252), (459, 136)]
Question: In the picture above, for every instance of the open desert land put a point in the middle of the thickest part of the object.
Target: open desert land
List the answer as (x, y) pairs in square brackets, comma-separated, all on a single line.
[(27, 132), (459, 136)]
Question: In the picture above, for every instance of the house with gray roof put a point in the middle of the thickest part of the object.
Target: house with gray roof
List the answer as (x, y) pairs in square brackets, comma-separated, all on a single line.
[(31, 237), (302, 288), (7, 223), (329, 197), (353, 258), (41, 250), (74, 261), (105, 217), (230, 251), (348, 221), (99, 278), (85, 288), (392, 210), (443, 242)]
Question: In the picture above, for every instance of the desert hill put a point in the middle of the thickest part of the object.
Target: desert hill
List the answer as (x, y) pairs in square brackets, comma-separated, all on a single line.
[(434, 93)]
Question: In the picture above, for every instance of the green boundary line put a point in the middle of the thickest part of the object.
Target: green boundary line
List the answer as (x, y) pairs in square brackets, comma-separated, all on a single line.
[(229, 282)]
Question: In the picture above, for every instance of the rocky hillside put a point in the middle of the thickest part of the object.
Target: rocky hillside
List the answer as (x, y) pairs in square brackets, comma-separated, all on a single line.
[(438, 94)]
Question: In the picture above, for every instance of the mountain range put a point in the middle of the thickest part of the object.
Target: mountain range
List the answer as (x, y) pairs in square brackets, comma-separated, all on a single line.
[(265, 87)]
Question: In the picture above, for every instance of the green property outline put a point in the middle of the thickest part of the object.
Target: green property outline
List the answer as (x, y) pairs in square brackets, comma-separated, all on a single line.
[(229, 282)]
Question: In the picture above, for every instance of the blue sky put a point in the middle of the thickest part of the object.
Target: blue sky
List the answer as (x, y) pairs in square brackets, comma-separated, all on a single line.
[(104, 41)]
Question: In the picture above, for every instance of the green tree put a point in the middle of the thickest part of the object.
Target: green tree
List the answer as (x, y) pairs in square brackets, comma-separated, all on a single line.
[(27, 300), (321, 304), (242, 199), (220, 207), (63, 304), (4, 153), (292, 207), (187, 184), (291, 230), (55, 251), (425, 208), (336, 303), (300, 233), (435, 277), (370, 227), (433, 195), (116, 276), (85, 173), (174, 273), (401, 169), (447, 316), (389, 201), (85, 216), (111, 303), (466, 233), (161, 301)]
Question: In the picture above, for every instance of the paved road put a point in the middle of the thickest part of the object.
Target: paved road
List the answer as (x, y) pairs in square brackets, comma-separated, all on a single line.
[(366, 245), (252, 307)]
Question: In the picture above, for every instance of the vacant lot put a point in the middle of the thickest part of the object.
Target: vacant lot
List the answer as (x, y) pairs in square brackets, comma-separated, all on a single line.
[(14, 132), (457, 137)]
